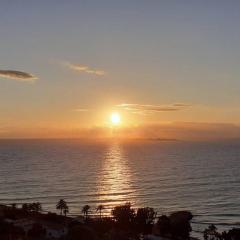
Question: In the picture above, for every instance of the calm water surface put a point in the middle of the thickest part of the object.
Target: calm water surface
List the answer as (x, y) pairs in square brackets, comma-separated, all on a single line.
[(201, 177)]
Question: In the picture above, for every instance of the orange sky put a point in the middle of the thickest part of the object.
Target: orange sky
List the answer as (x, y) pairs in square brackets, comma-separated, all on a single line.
[(170, 69), (168, 131)]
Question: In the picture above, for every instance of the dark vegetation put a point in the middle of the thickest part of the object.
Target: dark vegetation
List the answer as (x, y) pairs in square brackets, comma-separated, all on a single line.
[(177, 225), (28, 222), (211, 233)]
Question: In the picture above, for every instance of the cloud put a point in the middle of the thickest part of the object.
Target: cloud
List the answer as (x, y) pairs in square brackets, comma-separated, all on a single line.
[(81, 110), (86, 69), (149, 109), (17, 75)]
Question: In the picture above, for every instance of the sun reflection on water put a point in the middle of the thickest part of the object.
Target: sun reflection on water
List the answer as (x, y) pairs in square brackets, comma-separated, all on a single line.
[(114, 179)]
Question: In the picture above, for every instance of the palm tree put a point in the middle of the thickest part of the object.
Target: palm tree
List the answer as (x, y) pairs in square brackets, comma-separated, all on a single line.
[(65, 211), (62, 206), (85, 210), (99, 209)]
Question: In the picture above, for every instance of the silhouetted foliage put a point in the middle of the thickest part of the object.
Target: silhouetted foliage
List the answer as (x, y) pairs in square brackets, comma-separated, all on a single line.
[(32, 207), (85, 211), (124, 215), (99, 209), (62, 206), (164, 225), (180, 224), (25, 207), (126, 223), (37, 207), (233, 234), (211, 233), (144, 219), (65, 211), (177, 225)]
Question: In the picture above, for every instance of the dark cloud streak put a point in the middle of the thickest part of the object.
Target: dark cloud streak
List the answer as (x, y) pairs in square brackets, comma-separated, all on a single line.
[(17, 75)]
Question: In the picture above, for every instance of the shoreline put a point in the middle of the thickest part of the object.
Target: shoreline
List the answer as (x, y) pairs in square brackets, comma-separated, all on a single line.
[(19, 217)]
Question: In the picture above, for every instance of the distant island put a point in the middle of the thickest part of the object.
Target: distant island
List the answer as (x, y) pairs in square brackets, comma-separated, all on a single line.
[(163, 139)]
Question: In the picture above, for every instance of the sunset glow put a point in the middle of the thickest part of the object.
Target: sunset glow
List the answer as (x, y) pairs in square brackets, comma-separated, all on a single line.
[(115, 118), (119, 120), (91, 74)]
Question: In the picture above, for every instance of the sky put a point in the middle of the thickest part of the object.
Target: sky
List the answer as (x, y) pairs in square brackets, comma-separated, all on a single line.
[(169, 68)]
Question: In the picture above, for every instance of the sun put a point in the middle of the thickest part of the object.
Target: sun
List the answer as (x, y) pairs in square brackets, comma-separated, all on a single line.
[(115, 118)]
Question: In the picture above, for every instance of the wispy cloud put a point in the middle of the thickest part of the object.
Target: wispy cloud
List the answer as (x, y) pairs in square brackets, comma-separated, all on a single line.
[(148, 109), (17, 75), (85, 69), (81, 110)]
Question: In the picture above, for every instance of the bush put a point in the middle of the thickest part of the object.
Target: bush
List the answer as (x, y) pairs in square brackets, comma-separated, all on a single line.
[(124, 215), (144, 220), (177, 225)]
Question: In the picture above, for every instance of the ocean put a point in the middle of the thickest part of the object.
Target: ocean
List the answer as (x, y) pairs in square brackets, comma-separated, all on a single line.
[(202, 177)]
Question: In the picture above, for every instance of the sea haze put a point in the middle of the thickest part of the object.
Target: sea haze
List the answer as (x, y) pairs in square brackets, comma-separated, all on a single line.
[(201, 177)]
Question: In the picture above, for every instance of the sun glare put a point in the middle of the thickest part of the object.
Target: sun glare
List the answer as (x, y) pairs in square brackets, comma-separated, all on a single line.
[(115, 118)]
